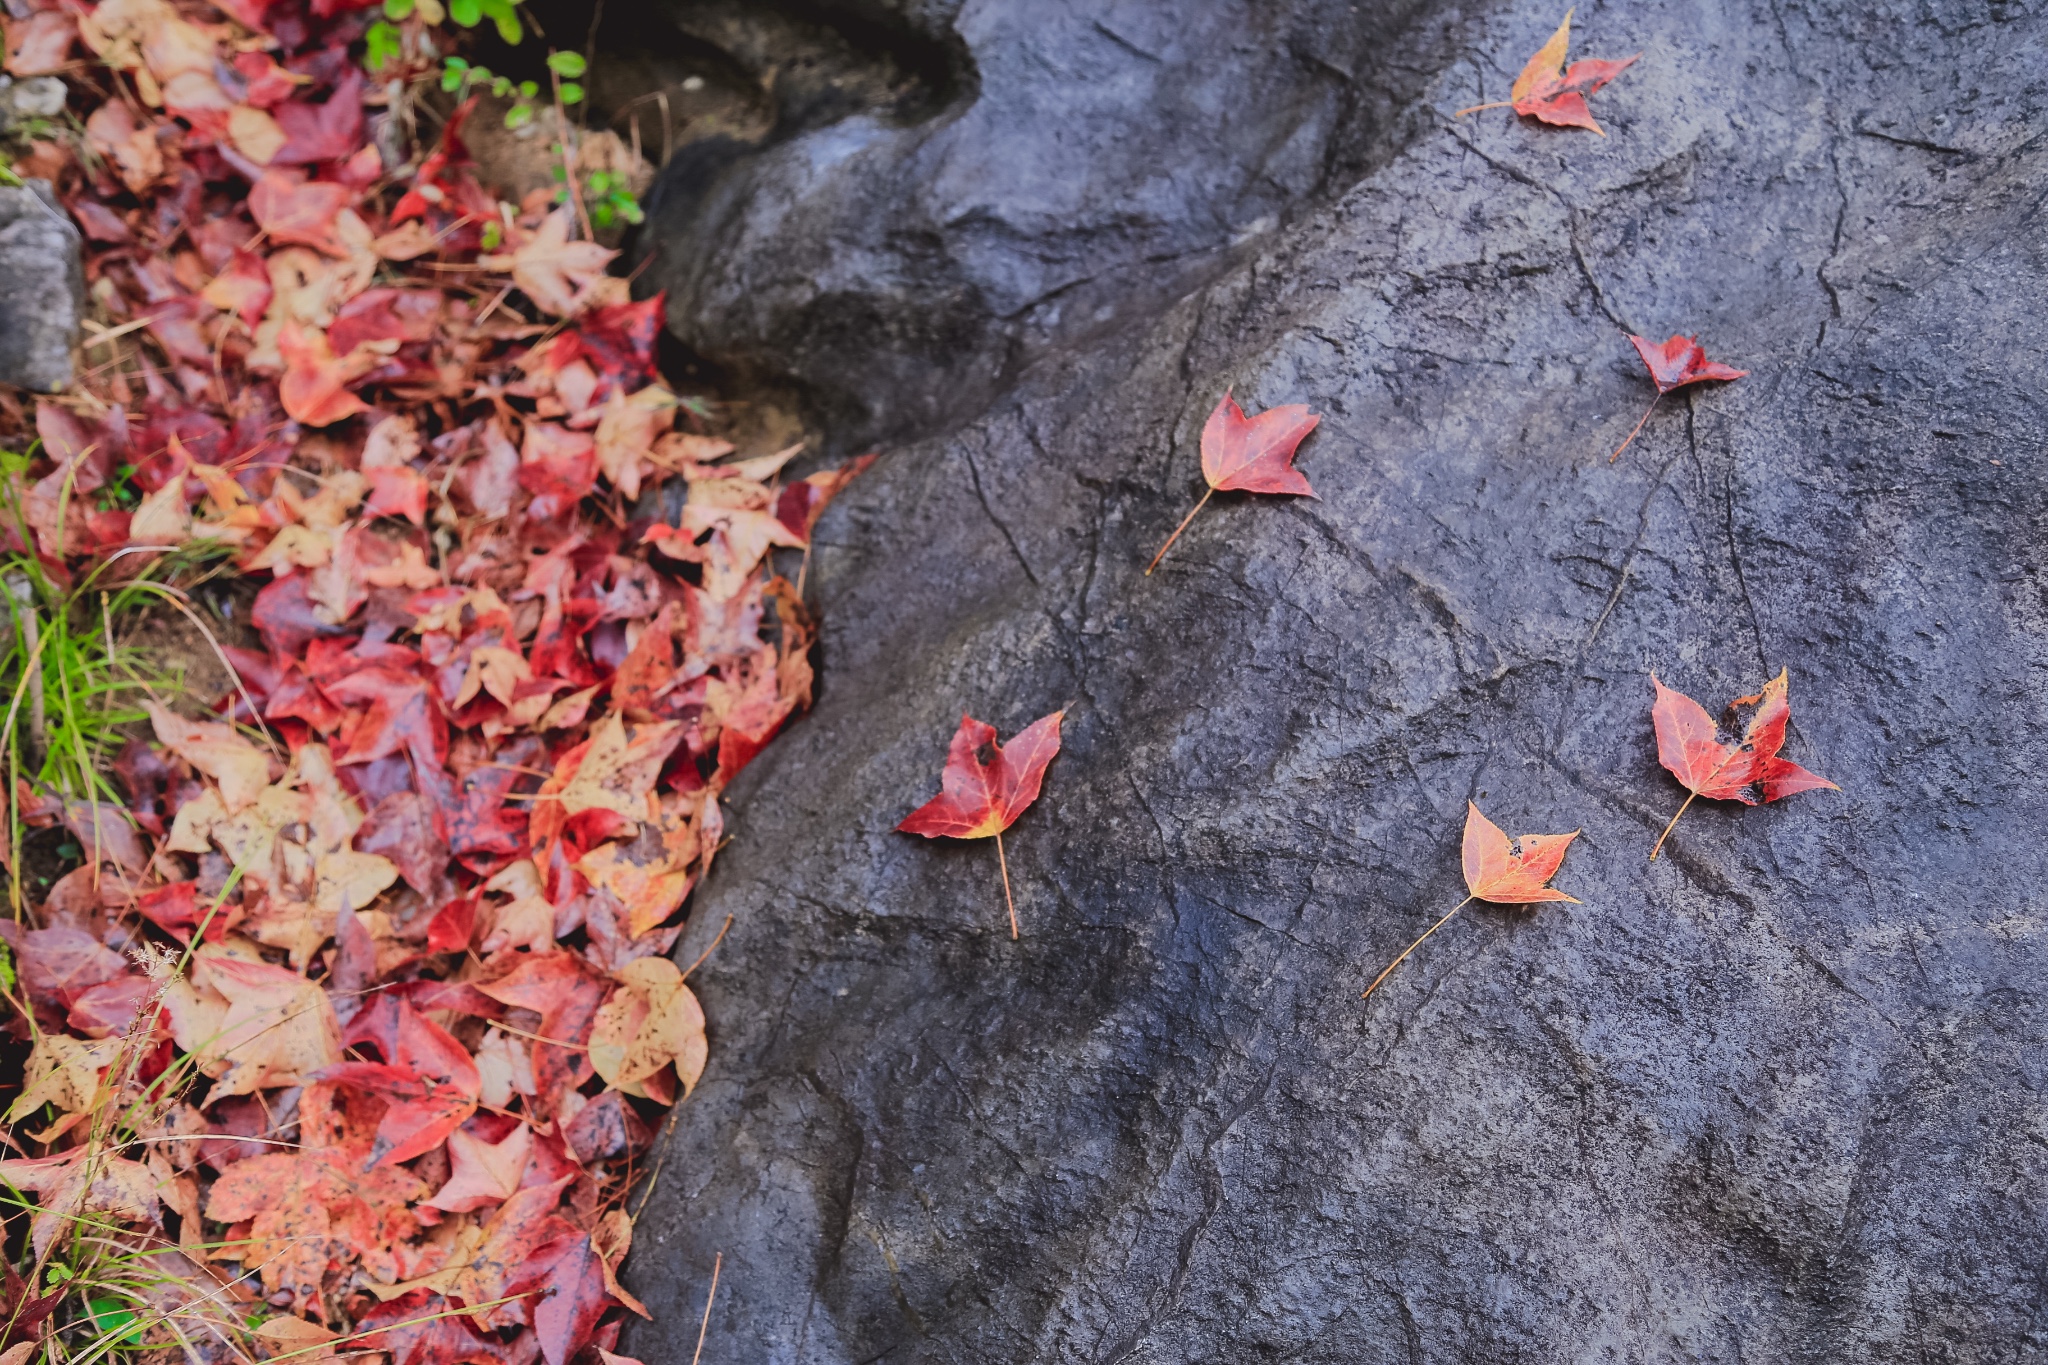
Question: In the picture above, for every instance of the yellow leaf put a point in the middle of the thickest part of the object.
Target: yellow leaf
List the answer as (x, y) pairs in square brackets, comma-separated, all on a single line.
[(255, 133), (63, 1071)]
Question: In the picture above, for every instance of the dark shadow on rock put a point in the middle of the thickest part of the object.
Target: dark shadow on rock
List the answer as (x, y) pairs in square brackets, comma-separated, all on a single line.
[(947, 190), (1778, 1096)]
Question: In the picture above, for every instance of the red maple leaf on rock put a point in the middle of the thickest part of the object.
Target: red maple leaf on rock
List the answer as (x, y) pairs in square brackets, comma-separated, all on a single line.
[(1254, 455), (986, 786), (1673, 365), (1551, 92), (1745, 768)]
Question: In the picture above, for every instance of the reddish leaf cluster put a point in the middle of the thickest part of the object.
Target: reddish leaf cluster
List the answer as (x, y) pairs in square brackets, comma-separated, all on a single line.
[(427, 859)]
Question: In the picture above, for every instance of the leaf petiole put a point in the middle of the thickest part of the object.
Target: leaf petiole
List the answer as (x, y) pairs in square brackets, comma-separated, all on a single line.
[(1638, 427), (1689, 799), (1003, 862), (1413, 946), (1475, 108), (1177, 530)]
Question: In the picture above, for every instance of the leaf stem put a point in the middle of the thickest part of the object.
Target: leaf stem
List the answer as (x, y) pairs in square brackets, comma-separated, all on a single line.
[(1003, 862), (1690, 798), (1177, 530), (705, 1326), (1475, 108), (1413, 946), (1638, 427)]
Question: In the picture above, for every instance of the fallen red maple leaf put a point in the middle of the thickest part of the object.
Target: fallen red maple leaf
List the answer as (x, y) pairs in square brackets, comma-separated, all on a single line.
[(1673, 365), (1748, 769), (566, 991), (421, 1328), (982, 797), (571, 1276), (491, 1270), (483, 1172), (430, 1080), (329, 131), (1496, 871), (1253, 455), (285, 206), (1550, 92), (420, 709), (313, 387)]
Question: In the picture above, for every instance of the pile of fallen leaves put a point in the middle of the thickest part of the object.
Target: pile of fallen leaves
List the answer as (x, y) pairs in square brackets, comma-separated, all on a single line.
[(360, 1006)]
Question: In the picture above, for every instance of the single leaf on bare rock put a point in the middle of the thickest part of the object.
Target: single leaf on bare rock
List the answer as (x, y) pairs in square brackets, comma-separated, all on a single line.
[(1252, 455), (1721, 766), (985, 786), (1497, 871), (1553, 93), (1673, 365)]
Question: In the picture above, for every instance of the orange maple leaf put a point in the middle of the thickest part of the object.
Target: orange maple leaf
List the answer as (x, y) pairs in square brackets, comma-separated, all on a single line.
[(313, 389), (555, 272), (1496, 871), (1551, 92)]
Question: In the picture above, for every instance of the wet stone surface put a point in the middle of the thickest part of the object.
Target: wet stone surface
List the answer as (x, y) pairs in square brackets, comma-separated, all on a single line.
[(1777, 1096), (42, 285)]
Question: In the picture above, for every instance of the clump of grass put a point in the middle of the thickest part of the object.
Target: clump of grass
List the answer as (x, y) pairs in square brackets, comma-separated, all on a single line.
[(98, 1289), (71, 688)]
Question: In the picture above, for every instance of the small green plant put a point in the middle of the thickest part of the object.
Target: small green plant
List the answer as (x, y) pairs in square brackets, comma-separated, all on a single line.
[(567, 69), (384, 41), (120, 493), (383, 44), (459, 77), (607, 195)]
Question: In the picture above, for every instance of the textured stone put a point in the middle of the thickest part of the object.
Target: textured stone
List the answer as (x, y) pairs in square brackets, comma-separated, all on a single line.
[(1778, 1096), (42, 288)]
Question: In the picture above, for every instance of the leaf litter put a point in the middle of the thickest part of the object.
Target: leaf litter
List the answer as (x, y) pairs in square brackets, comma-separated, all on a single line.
[(374, 971)]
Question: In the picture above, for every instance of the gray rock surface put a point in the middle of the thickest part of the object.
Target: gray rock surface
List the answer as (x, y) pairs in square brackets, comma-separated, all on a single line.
[(42, 288), (1778, 1096)]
